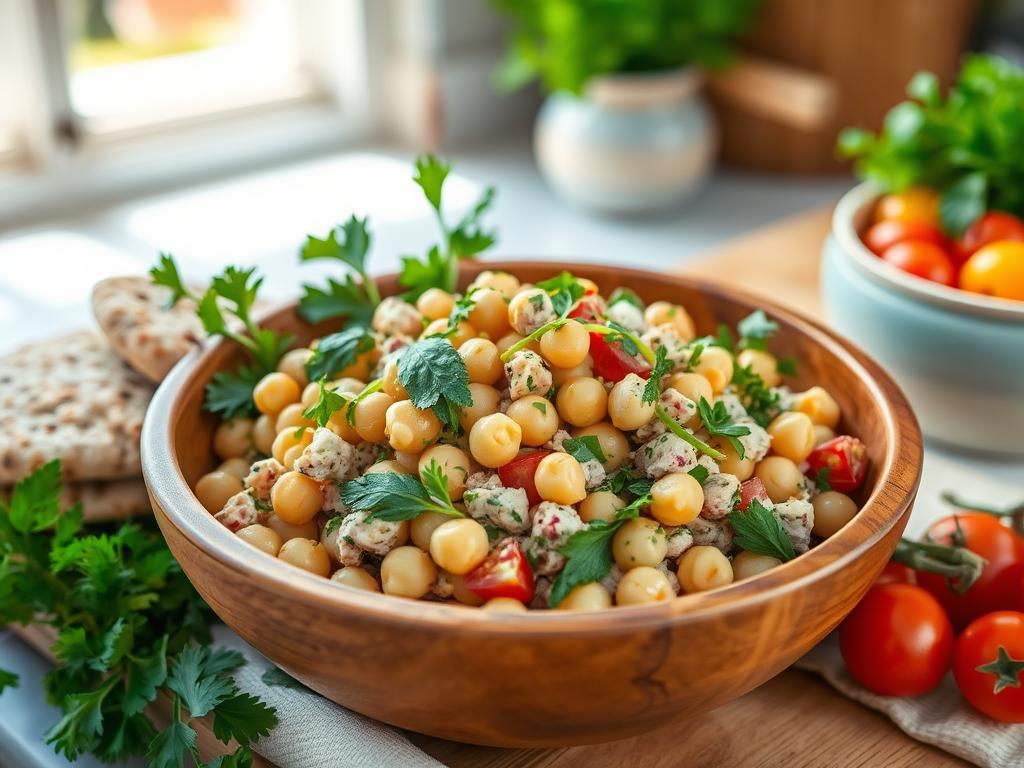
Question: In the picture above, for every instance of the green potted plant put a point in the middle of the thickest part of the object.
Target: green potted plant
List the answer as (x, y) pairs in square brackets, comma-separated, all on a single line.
[(624, 128)]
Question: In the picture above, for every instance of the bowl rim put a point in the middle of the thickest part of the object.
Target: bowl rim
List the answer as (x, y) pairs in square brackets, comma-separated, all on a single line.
[(898, 479), (851, 207)]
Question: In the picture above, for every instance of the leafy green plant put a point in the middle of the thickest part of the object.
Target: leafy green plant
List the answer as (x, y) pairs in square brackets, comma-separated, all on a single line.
[(564, 43), (967, 145)]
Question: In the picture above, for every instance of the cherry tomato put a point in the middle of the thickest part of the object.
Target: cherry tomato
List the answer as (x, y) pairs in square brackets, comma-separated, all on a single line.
[(612, 363), (923, 259), (996, 270), (885, 233), (988, 664), (586, 310), (896, 573), (918, 204), (752, 489), (846, 459), (897, 641), (991, 228), (998, 587), (505, 573), (519, 472)]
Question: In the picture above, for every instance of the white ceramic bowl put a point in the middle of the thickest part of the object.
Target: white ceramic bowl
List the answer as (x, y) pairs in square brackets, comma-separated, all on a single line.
[(959, 356)]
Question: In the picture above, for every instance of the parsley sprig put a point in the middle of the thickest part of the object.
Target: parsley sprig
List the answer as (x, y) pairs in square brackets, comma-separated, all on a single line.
[(719, 423), (393, 497), (755, 329), (348, 243), (584, 448), (435, 376), (337, 351), (327, 403), (759, 531)]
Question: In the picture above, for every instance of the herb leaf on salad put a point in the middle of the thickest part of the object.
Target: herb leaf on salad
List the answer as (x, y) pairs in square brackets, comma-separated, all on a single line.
[(337, 351), (391, 496), (718, 422), (435, 376), (759, 531)]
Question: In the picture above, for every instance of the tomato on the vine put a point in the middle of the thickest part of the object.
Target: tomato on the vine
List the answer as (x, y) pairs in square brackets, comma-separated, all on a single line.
[(998, 587), (897, 641), (988, 664), (896, 573)]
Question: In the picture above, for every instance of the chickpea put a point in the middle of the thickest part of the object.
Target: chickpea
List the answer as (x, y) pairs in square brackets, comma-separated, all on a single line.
[(233, 438), (347, 384), (288, 438), (310, 394), (485, 402), (237, 467), (435, 304), (461, 592), (715, 365), (600, 505), (453, 462), (662, 312), (274, 391), (390, 382), (832, 511), (586, 597), (561, 375), (762, 363), (409, 428), (732, 463), (536, 417), (422, 527), (817, 403), (306, 554), (371, 416), (263, 538), (407, 572), (822, 434), (263, 434), (338, 424), (291, 455), (509, 339), (489, 313), (582, 401), (388, 465), (482, 359), (504, 282), (529, 309), (291, 417), (747, 564), (494, 440), (464, 331), (459, 545), (288, 531), (676, 499), (782, 478), (296, 498), (559, 478), (792, 435), (643, 585), (626, 406), (411, 461), (703, 568), (614, 444), (567, 346), (355, 577), (293, 364), (639, 542), (503, 605), (692, 386), (215, 488)]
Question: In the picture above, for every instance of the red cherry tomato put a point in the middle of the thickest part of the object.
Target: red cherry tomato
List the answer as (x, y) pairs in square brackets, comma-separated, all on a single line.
[(897, 641), (886, 233), (998, 587), (519, 472), (505, 573), (586, 310), (988, 664), (846, 459), (752, 489), (612, 363), (896, 573), (990, 228), (923, 259)]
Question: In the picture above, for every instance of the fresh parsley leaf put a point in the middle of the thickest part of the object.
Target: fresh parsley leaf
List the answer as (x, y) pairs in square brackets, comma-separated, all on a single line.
[(244, 718), (565, 291), (200, 689), (35, 502), (695, 352), (229, 395), (82, 721), (468, 238), (662, 366), (391, 496), (617, 481), (166, 273), (821, 480), (755, 330), (146, 675), (170, 747), (786, 366), (760, 402), (116, 642), (627, 295), (8, 679), (699, 473), (325, 406), (589, 558), (640, 486), (275, 677), (964, 201), (349, 243), (337, 351), (434, 375), (333, 524), (430, 175), (585, 448), (623, 336), (723, 338), (542, 407), (718, 422), (340, 299), (759, 531), (419, 276)]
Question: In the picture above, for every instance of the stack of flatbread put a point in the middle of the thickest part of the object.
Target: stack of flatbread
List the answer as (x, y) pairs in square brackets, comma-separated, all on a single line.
[(81, 398)]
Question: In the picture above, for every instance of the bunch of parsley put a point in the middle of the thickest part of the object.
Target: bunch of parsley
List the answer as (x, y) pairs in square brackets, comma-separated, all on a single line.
[(128, 622)]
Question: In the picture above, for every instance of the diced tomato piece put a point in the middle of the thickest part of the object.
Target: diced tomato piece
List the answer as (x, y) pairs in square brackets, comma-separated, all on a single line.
[(505, 573), (519, 472), (585, 310), (845, 458), (752, 489), (611, 362)]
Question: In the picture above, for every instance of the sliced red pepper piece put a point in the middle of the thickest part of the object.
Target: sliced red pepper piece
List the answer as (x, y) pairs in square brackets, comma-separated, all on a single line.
[(845, 458), (752, 489), (519, 472), (505, 573)]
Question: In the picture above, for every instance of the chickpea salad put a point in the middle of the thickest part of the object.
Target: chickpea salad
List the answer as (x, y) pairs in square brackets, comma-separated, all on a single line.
[(518, 446)]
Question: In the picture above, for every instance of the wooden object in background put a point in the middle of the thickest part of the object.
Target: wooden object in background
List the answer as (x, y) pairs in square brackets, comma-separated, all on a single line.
[(542, 680), (867, 50)]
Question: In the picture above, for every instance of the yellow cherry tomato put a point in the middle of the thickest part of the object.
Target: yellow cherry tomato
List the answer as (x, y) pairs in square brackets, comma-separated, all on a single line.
[(918, 204), (996, 270)]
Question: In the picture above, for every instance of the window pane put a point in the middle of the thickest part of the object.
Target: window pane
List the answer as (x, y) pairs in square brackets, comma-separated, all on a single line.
[(134, 62)]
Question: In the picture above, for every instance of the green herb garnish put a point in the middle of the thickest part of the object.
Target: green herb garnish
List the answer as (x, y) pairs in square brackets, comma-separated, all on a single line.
[(434, 375), (348, 243), (565, 291), (759, 531), (718, 422), (585, 448), (325, 406), (337, 351), (393, 497), (662, 366), (760, 402), (755, 329)]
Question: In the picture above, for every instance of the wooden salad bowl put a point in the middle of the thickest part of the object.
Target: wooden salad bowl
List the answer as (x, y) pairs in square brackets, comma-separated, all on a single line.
[(545, 678)]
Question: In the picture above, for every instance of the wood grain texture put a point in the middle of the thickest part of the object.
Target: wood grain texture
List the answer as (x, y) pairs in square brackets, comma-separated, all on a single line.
[(542, 679)]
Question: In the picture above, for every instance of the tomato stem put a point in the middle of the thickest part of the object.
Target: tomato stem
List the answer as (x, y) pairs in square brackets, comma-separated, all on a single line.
[(1014, 513), (959, 565)]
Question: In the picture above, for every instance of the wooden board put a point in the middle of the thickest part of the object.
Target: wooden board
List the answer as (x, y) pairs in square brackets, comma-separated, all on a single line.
[(796, 720)]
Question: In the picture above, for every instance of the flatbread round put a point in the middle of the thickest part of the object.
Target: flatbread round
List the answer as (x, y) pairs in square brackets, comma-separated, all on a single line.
[(72, 399), (132, 313)]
